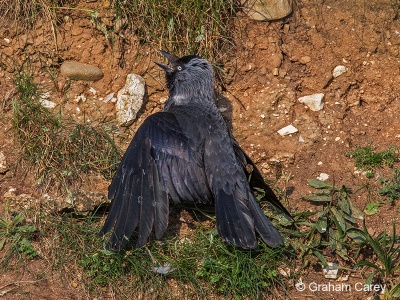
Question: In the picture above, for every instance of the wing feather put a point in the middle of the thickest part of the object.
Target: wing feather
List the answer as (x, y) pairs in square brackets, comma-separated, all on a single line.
[(160, 163)]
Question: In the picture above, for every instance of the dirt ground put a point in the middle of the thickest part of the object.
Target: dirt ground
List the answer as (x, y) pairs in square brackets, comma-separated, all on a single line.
[(274, 64)]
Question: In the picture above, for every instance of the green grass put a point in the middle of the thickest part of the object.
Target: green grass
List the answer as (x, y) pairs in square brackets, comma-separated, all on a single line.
[(201, 264), (366, 159), (59, 149)]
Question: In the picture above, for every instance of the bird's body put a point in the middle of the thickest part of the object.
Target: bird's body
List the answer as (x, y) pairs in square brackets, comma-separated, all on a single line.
[(186, 153)]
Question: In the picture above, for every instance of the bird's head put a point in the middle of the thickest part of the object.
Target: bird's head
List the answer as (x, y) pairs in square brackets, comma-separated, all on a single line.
[(187, 75)]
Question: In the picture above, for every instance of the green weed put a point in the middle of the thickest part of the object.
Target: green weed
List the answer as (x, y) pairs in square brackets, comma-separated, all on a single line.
[(391, 187), (368, 160), (15, 238), (333, 222), (387, 252)]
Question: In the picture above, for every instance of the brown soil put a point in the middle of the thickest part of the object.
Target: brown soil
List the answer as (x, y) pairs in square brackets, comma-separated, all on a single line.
[(274, 64)]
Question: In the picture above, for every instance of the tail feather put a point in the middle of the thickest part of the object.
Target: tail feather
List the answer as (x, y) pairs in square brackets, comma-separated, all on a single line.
[(263, 225), (234, 222)]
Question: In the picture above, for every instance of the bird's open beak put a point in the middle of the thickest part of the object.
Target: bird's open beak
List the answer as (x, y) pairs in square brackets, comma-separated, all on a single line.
[(171, 59)]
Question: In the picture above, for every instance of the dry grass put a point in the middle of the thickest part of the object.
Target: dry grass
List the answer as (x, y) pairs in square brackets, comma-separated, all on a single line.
[(25, 12)]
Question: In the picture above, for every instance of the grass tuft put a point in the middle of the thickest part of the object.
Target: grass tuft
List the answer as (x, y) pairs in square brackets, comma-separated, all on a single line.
[(25, 13), (200, 265), (368, 160), (205, 28), (60, 150)]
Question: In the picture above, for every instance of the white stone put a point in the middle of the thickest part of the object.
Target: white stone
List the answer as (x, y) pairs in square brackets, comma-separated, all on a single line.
[(287, 130), (338, 70), (323, 177), (331, 270), (3, 163), (46, 103), (108, 97), (130, 99), (165, 269), (80, 98), (315, 102), (93, 91)]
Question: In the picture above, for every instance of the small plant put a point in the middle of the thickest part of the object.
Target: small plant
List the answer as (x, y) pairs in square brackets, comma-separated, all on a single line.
[(367, 160), (387, 251), (371, 208), (391, 187), (14, 237), (333, 221)]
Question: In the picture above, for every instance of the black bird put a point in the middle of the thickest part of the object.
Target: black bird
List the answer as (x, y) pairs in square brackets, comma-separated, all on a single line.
[(187, 154)]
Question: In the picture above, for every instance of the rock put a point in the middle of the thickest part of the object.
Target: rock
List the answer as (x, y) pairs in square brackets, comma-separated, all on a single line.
[(331, 270), (47, 104), (305, 60), (130, 99), (165, 269), (338, 70), (19, 202), (3, 163), (83, 201), (323, 177), (43, 99), (79, 71), (267, 10), (287, 130), (314, 102)]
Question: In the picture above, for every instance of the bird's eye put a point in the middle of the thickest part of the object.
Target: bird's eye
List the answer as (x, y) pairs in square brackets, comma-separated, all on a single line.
[(179, 68)]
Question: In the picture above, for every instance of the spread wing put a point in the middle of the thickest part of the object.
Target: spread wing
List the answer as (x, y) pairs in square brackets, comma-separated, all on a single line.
[(160, 163)]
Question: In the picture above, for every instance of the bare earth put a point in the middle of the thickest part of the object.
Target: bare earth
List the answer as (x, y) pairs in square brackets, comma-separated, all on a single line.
[(274, 64)]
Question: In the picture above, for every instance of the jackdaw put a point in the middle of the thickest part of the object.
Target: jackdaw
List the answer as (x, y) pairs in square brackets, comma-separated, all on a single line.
[(187, 154)]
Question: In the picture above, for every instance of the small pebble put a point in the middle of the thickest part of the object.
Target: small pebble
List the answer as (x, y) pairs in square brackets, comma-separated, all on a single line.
[(314, 102), (287, 130), (338, 70), (323, 177), (331, 270), (108, 97)]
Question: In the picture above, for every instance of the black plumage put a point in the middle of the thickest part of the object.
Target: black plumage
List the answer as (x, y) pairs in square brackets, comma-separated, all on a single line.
[(187, 154)]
